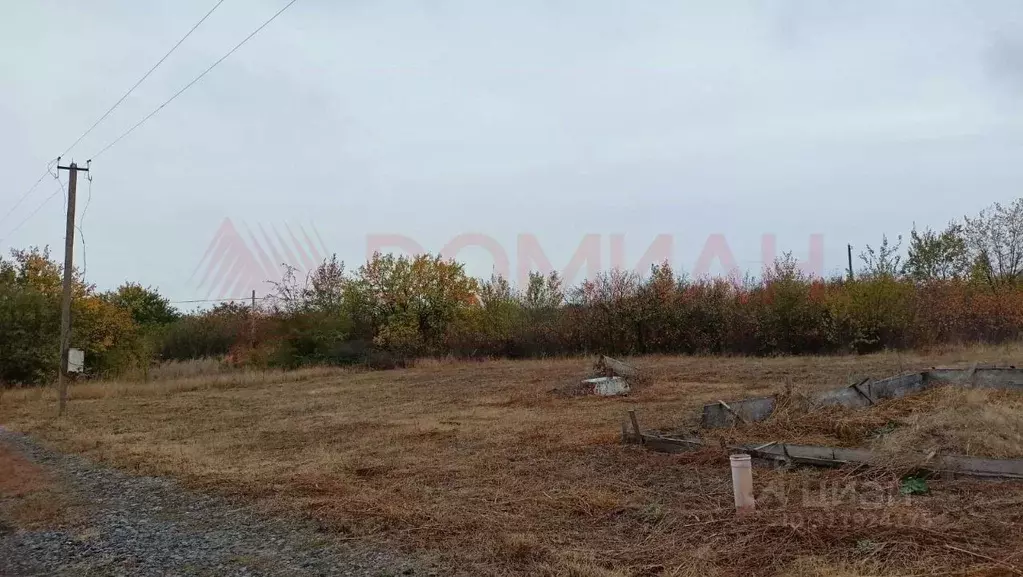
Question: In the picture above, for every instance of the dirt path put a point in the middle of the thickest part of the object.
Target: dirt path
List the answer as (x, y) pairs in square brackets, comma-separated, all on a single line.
[(112, 523)]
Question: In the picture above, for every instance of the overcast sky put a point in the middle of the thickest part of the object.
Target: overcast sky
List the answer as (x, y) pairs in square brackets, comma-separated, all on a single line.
[(553, 118)]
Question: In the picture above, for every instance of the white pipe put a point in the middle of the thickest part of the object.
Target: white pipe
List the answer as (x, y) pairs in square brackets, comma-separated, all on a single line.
[(742, 484)]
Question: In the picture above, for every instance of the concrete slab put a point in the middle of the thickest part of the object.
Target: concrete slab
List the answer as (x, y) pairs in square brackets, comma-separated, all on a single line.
[(982, 467), (1010, 378), (716, 415), (865, 394), (844, 397), (614, 368), (896, 387), (608, 386)]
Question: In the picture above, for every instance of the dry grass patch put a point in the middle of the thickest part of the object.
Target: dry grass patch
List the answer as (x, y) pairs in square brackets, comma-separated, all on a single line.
[(29, 497), (980, 422), (947, 419), (480, 466)]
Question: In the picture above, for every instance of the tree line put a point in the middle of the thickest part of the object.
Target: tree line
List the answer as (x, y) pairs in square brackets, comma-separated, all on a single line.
[(959, 284)]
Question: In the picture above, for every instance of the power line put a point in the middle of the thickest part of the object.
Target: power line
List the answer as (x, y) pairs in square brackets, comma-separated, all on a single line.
[(81, 219), (33, 213), (144, 76), (194, 80), (56, 176), (81, 222), (110, 110), (215, 300), (22, 198)]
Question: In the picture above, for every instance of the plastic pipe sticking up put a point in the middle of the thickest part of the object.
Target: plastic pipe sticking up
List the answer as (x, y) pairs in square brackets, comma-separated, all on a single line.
[(742, 484)]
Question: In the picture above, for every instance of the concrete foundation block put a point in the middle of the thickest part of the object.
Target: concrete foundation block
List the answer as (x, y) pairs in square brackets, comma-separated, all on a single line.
[(608, 386), (614, 368), (716, 415)]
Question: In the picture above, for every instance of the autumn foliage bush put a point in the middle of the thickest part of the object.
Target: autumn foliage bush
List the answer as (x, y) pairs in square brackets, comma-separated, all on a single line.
[(960, 285), (395, 309), (30, 295), (619, 313)]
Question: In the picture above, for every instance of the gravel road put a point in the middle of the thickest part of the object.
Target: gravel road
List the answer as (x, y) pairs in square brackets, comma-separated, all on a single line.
[(148, 526)]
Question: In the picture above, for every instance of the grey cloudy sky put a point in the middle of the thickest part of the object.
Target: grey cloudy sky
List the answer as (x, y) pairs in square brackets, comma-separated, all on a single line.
[(555, 118)]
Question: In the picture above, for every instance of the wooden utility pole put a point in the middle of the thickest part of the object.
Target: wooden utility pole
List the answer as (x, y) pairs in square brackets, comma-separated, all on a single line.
[(65, 305), (850, 262), (252, 321)]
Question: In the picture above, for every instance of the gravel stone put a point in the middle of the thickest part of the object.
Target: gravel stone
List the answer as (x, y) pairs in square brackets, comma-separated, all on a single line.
[(151, 526)]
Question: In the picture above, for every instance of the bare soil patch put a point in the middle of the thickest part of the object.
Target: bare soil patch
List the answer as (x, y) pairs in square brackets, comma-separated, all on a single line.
[(29, 497)]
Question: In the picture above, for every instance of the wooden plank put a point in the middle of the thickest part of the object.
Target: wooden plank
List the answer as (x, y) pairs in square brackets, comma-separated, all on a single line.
[(671, 445), (635, 425), (838, 456)]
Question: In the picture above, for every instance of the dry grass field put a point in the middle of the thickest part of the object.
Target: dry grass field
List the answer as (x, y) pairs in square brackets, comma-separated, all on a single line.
[(29, 497), (479, 467), (947, 419)]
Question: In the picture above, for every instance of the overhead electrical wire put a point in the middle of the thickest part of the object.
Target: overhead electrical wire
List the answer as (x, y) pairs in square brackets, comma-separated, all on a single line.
[(144, 76), (56, 176), (25, 195), (34, 212), (32, 188), (214, 300), (140, 122), (192, 82), (81, 223)]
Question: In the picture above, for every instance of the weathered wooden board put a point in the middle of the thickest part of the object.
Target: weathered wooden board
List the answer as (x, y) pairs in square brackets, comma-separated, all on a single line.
[(670, 445), (838, 456)]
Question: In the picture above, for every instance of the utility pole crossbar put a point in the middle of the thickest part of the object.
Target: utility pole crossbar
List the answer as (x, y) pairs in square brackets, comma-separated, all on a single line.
[(65, 305)]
